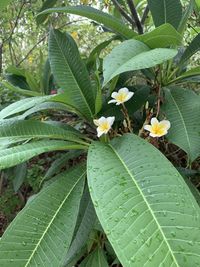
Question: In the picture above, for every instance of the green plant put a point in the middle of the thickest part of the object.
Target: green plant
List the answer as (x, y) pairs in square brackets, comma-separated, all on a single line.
[(130, 204)]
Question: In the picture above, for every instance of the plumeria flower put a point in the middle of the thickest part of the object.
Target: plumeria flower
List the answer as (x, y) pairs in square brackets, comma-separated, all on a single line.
[(104, 125), (122, 96), (158, 129)]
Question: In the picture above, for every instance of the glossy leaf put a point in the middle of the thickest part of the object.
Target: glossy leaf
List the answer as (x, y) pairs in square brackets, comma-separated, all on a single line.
[(92, 13), (166, 11), (163, 36), (133, 55), (71, 73), (193, 47), (182, 108), (146, 209), (42, 232), (15, 155)]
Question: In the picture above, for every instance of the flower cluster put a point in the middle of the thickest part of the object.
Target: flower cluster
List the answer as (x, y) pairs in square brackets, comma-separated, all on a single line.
[(156, 128)]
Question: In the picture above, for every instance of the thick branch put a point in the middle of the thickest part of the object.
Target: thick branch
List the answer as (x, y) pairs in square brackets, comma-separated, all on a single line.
[(123, 13), (135, 16)]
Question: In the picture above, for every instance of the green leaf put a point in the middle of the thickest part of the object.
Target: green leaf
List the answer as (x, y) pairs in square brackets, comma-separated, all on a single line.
[(133, 55), (22, 105), (84, 228), (186, 15), (36, 129), (46, 78), (163, 36), (188, 74), (166, 11), (46, 4), (19, 174), (19, 90), (96, 259), (182, 108), (191, 49), (147, 211), (15, 155), (94, 14), (42, 232), (3, 4), (71, 73)]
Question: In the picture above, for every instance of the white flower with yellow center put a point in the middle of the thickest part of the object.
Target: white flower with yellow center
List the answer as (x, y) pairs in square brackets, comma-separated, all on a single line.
[(104, 125), (158, 129), (122, 96)]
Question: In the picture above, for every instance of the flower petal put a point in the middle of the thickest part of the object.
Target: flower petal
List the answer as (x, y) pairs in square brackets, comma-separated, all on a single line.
[(112, 101), (166, 124), (154, 121), (96, 122), (148, 128), (114, 94), (102, 120), (130, 94), (111, 120), (123, 90), (99, 132)]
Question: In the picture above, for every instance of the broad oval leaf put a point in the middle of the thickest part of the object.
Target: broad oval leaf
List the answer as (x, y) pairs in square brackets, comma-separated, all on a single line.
[(166, 11), (133, 55), (12, 156), (71, 73), (92, 13), (163, 36), (42, 232), (146, 209), (182, 108)]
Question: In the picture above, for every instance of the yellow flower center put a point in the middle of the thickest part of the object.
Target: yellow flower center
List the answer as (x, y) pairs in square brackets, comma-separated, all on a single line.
[(121, 97), (158, 129), (104, 127)]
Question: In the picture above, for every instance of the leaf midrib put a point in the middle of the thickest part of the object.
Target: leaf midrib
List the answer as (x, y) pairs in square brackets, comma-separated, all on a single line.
[(85, 100), (151, 211), (52, 220)]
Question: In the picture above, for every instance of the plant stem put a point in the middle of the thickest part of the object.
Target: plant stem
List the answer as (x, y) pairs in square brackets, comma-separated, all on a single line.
[(135, 16), (126, 116)]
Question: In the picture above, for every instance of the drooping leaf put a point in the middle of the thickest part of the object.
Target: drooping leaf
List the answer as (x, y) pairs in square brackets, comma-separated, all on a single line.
[(166, 11), (15, 155), (19, 90), (133, 55), (42, 232), (182, 108), (22, 105), (96, 258), (84, 226), (187, 13), (36, 129), (71, 73), (19, 175), (146, 209), (91, 13), (191, 49), (163, 36), (46, 4)]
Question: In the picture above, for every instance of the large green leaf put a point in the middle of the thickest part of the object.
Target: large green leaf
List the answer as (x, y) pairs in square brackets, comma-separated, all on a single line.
[(46, 4), (95, 259), (42, 232), (182, 108), (71, 73), (19, 90), (91, 13), (12, 156), (146, 209), (22, 105), (133, 55), (166, 11), (193, 47), (36, 129), (163, 36)]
